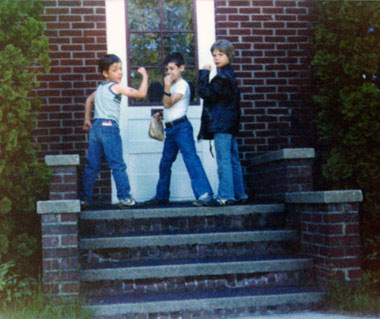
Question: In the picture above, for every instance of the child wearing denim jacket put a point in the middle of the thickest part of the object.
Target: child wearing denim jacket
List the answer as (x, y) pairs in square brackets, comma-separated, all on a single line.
[(105, 140), (220, 121), (179, 137)]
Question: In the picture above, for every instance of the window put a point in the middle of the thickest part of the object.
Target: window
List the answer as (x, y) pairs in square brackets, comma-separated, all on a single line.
[(154, 29)]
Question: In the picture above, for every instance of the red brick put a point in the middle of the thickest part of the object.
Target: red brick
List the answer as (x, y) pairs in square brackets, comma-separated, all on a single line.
[(56, 11), (50, 241), (95, 18), (284, 3), (235, 17), (87, 10), (69, 240), (57, 26), (51, 288), (72, 288), (352, 229), (228, 11), (70, 18), (49, 18), (263, 3), (355, 274), (273, 10), (61, 276)]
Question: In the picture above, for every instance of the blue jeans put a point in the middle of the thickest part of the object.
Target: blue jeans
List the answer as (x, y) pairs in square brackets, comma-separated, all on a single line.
[(180, 138), (105, 141), (231, 183)]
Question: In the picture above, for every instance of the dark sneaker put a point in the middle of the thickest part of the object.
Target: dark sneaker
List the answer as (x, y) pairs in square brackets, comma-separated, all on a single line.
[(156, 202), (224, 202), (126, 203), (241, 201), (205, 200)]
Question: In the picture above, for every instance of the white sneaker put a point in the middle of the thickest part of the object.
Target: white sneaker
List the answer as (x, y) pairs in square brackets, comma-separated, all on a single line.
[(128, 202), (225, 202), (205, 200)]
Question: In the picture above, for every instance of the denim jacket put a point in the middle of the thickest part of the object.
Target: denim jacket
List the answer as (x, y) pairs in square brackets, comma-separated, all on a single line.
[(221, 109)]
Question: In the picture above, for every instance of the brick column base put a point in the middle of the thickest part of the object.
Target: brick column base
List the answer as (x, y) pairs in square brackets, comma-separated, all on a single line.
[(60, 250), (329, 232), (64, 179), (273, 174)]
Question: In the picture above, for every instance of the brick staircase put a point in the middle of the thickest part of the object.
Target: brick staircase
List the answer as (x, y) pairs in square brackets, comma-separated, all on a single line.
[(190, 262)]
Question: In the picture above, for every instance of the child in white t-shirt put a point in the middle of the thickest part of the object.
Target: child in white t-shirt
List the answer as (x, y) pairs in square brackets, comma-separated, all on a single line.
[(179, 137)]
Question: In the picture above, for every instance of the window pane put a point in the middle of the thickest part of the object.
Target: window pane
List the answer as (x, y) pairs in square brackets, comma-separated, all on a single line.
[(155, 87), (180, 42), (144, 49), (178, 14), (190, 76), (143, 15)]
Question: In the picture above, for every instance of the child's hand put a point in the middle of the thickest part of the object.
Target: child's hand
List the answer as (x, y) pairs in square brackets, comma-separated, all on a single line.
[(207, 67), (87, 125), (168, 80), (142, 71), (158, 116)]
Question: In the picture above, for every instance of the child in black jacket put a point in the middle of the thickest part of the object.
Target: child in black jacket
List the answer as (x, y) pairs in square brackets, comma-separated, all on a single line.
[(220, 121)]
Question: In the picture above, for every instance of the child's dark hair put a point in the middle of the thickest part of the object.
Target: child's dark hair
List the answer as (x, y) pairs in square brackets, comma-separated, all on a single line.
[(176, 58), (106, 61)]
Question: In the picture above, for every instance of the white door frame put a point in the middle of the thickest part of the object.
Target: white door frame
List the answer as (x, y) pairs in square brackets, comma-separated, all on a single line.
[(136, 119)]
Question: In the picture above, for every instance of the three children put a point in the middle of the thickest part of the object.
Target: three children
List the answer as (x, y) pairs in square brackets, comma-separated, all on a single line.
[(220, 121)]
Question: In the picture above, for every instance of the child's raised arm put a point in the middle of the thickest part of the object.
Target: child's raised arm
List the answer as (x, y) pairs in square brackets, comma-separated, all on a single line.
[(87, 112), (170, 100), (131, 92), (214, 90)]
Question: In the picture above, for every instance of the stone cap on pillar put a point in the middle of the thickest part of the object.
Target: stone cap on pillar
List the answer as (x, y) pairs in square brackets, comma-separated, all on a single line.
[(284, 154), (325, 197), (58, 207), (62, 160)]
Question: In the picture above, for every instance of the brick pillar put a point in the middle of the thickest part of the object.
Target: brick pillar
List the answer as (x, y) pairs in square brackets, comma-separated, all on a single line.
[(329, 232), (60, 250), (64, 178), (273, 174)]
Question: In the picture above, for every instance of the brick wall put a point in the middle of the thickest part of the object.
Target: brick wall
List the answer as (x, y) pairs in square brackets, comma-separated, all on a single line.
[(77, 37), (60, 253), (272, 39), (329, 232), (276, 173)]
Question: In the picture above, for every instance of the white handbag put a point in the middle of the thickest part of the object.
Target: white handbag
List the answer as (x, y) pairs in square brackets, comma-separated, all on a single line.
[(156, 129)]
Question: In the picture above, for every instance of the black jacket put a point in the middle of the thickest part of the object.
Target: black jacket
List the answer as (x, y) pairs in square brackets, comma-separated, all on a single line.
[(221, 109)]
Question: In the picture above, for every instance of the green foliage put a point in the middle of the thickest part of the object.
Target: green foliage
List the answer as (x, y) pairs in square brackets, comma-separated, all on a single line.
[(12, 287), (347, 64), (38, 306), (362, 298), (23, 179)]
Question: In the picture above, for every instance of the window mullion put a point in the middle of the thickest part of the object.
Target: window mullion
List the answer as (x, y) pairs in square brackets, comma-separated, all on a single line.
[(161, 34)]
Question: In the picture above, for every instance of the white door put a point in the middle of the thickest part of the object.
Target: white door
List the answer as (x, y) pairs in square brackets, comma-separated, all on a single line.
[(142, 154)]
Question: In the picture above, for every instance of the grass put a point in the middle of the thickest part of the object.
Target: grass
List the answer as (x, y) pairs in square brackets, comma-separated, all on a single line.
[(363, 298), (39, 306)]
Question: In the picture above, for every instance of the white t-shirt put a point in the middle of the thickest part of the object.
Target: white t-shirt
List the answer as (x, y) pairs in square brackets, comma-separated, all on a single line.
[(178, 109)]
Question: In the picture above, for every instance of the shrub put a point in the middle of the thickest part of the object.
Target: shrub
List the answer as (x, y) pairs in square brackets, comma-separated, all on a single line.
[(347, 64), (23, 179), (362, 299), (38, 306)]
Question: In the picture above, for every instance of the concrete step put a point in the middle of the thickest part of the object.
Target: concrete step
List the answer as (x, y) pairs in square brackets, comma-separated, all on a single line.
[(206, 304), (194, 275), (188, 246), (102, 223)]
